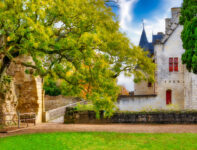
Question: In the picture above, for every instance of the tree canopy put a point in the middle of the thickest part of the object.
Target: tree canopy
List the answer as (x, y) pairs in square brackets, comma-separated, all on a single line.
[(76, 41), (189, 34)]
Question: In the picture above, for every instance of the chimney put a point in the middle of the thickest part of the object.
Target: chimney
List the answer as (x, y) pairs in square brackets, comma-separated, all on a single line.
[(160, 33), (168, 24), (175, 12)]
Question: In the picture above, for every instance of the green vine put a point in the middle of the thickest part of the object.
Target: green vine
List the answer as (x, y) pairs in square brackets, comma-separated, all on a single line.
[(5, 85)]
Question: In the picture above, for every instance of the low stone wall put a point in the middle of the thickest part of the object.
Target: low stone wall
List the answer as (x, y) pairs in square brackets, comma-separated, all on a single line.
[(138, 103), (59, 112), (53, 102), (72, 116)]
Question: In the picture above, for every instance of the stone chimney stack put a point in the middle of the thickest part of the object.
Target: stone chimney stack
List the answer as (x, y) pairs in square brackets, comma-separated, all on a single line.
[(175, 12), (171, 23), (168, 24)]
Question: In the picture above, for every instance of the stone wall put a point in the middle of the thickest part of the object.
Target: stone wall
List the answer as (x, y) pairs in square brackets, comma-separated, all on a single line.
[(142, 88), (53, 102), (57, 115), (138, 103), (190, 91), (25, 94), (89, 117), (8, 104)]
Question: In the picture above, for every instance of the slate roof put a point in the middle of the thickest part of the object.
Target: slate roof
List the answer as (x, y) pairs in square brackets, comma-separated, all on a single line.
[(149, 46), (157, 37)]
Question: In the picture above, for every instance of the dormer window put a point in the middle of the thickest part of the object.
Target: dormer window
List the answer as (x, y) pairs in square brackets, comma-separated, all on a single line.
[(149, 84)]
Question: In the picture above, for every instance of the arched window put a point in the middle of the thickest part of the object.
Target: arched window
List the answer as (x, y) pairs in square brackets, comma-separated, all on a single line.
[(168, 97)]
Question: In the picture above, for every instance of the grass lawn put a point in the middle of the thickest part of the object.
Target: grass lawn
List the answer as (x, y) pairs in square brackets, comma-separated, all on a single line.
[(99, 141)]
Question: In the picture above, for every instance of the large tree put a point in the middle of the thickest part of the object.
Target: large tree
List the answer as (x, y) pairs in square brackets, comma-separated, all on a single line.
[(77, 41), (189, 34)]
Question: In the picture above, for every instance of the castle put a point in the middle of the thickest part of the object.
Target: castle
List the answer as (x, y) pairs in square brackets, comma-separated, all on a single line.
[(174, 85)]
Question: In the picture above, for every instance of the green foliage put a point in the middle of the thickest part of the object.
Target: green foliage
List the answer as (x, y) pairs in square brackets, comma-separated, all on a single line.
[(77, 41), (157, 111), (4, 85), (81, 107), (189, 34), (51, 88)]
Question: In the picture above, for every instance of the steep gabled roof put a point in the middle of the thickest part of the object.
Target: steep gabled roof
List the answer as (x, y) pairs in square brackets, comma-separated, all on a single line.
[(149, 46), (143, 40), (169, 33), (145, 44)]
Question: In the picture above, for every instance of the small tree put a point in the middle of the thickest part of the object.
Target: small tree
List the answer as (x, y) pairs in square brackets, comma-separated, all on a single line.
[(51, 88), (189, 34)]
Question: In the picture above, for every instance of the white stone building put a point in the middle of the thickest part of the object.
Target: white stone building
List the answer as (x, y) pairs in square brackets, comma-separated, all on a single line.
[(175, 87)]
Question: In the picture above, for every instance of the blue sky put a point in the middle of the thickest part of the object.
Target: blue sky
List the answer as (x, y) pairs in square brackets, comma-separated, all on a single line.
[(132, 12)]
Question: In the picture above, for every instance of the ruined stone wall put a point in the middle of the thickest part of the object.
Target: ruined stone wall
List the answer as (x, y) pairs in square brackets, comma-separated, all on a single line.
[(8, 104), (25, 93)]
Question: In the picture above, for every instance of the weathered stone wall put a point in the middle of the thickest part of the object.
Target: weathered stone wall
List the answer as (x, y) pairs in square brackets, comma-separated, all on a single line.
[(190, 90), (89, 117), (143, 89), (53, 102), (138, 103), (8, 103), (25, 93), (172, 22)]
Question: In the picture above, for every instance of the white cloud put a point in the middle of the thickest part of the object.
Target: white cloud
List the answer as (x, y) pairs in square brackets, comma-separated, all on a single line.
[(127, 82), (126, 16)]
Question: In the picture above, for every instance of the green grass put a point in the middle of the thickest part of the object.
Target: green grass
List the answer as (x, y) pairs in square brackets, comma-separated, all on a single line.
[(100, 141)]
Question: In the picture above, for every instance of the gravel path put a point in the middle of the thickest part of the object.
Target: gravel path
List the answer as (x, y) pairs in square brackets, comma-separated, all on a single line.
[(124, 128)]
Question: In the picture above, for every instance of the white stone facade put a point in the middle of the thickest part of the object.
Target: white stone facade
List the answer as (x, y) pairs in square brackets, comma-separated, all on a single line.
[(181, 83), (174, 81)]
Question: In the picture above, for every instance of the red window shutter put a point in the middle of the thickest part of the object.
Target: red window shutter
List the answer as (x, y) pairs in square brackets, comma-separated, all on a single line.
[(170, 64), (176, 68)]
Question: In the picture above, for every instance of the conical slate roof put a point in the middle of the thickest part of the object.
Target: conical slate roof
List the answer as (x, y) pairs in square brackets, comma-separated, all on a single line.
[(146, 45), (143, 40)]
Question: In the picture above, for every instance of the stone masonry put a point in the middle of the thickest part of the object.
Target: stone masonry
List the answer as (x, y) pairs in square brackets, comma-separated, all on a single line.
[(25, 94)]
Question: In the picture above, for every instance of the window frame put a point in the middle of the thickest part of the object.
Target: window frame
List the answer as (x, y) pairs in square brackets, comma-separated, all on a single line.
[(176, 64), (171, 64)]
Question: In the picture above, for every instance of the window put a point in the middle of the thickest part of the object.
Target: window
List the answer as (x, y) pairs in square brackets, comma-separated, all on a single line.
[(173, 64), (149, 84), (176, 64), (170, 64)]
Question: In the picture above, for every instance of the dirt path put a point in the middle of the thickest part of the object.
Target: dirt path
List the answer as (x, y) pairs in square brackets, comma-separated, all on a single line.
[(124, 128)]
